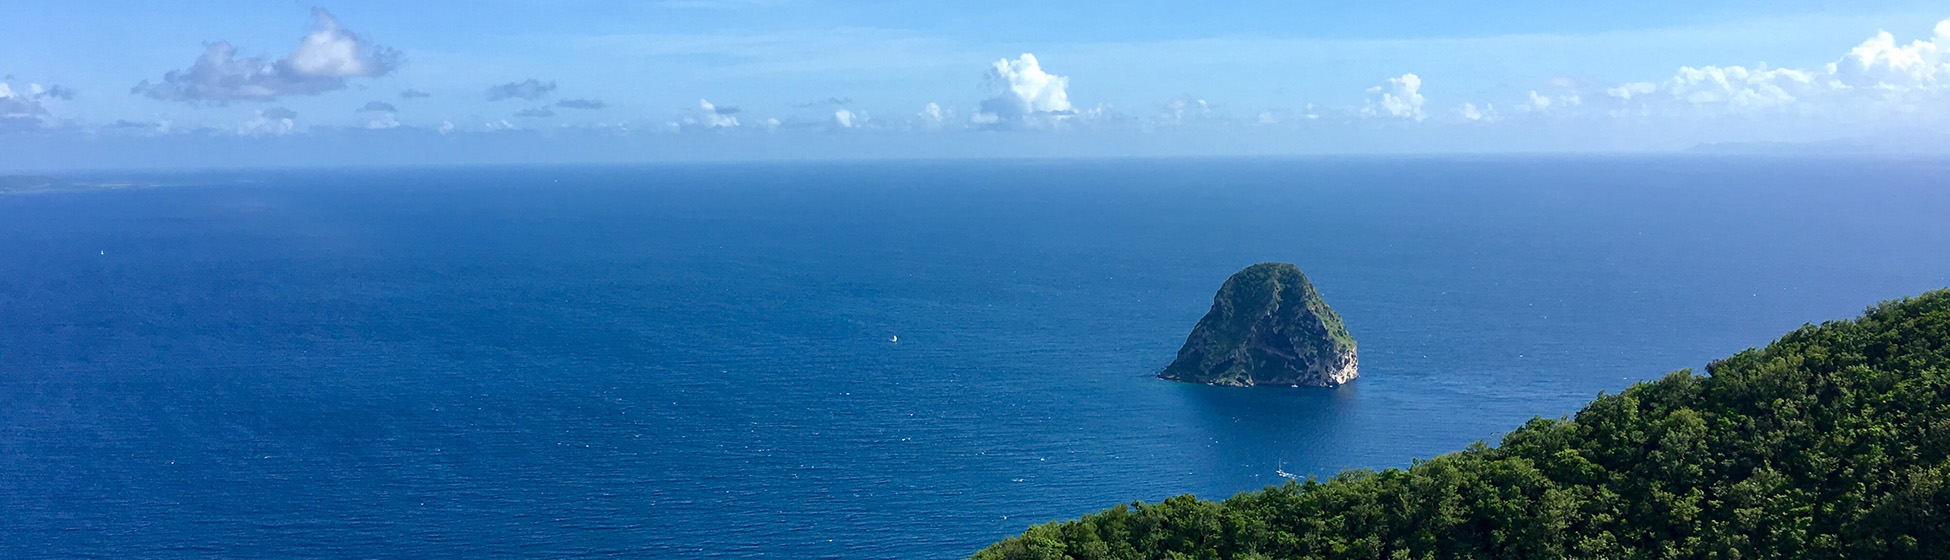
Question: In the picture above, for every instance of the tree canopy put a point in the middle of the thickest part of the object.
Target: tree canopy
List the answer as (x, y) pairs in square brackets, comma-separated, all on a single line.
[(1830, 442)]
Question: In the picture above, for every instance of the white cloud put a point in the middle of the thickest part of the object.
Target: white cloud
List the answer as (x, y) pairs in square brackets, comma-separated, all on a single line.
[(1630, 90), (1542, 103), (1023, 93), (844, 118), (1401, 98), (384, 121), (933, 116), (275, 121), (1739, 87), (1470, 112), (17, 105), (446, 127), (709, 115), (1182, 109), (322, 62), (1880, 63), (1876, 73)]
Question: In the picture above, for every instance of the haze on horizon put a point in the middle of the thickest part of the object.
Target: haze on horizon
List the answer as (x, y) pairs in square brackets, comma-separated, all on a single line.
[(93, 84)]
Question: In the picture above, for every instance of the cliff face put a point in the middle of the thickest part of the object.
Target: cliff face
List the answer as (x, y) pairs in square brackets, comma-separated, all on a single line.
[(1267, 326)]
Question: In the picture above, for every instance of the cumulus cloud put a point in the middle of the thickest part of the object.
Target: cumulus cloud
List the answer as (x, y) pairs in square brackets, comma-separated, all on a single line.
[(384, 121), (12, 103), (1401, 98), (1470, 112), (1879, 71), (19, 111), (529, 89), (1631, 90), (1539, 103), (1740, 87), (1185, 108), (275, 121), (323, 61), (933, 116), (377, 107), (581, 104), (414, 94), (1882, 64), (709, 115), (1023, 93), (846, 119)]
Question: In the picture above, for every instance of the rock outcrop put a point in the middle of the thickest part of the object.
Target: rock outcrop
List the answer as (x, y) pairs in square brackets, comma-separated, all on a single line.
[(1267, 326)]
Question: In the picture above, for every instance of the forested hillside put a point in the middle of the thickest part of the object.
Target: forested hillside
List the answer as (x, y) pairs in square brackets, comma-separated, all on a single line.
[(1829, 443)]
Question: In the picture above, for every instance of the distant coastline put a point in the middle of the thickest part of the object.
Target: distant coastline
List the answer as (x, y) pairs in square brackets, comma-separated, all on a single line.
[(21, 184)]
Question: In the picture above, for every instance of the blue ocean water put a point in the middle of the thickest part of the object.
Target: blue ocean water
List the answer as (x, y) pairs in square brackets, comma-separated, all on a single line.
[(698, 361)]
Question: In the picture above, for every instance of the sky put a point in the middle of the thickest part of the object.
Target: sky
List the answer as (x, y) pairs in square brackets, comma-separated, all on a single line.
[(245, 83)]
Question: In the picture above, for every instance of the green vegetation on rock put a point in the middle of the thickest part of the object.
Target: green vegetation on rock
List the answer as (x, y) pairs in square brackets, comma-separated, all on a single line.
[(1832, 442), (1267, 326)]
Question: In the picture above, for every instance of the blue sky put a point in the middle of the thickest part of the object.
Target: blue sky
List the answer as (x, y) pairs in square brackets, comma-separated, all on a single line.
[(90, 83)]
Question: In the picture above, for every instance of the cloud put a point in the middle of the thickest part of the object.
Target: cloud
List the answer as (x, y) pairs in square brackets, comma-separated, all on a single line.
[(530, 89), (1469, 112), (846, 118), (709, 115), (1739, 87), (377, 107), (20, 112), (414, 94), (13, 104), (1183, 109), (934, 117), (1401, 98), (322, 62), (275, 121), (1877, 73), (35, 91), (384, 121), (1023, 92), (827, 102), (581, 104), (1542, 103), (1633, 89), (1880, 63), (535, 113)]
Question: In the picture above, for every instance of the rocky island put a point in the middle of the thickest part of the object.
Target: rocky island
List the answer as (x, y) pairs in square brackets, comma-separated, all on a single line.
[(1267, 326)]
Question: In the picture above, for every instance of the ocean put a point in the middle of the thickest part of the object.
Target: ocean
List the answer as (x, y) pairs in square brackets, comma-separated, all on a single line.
[(700, 361)]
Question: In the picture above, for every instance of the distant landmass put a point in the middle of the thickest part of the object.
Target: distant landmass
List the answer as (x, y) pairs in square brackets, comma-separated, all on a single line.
[(1903, 146), (38, 183), (23, 183), (1832, 442), (1267, 326)]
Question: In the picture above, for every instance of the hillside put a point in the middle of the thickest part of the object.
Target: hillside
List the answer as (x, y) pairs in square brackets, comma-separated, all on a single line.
[(1828, 443)]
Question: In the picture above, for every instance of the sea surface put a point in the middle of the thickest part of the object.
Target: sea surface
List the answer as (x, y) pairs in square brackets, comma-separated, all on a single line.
[(700, 361)]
